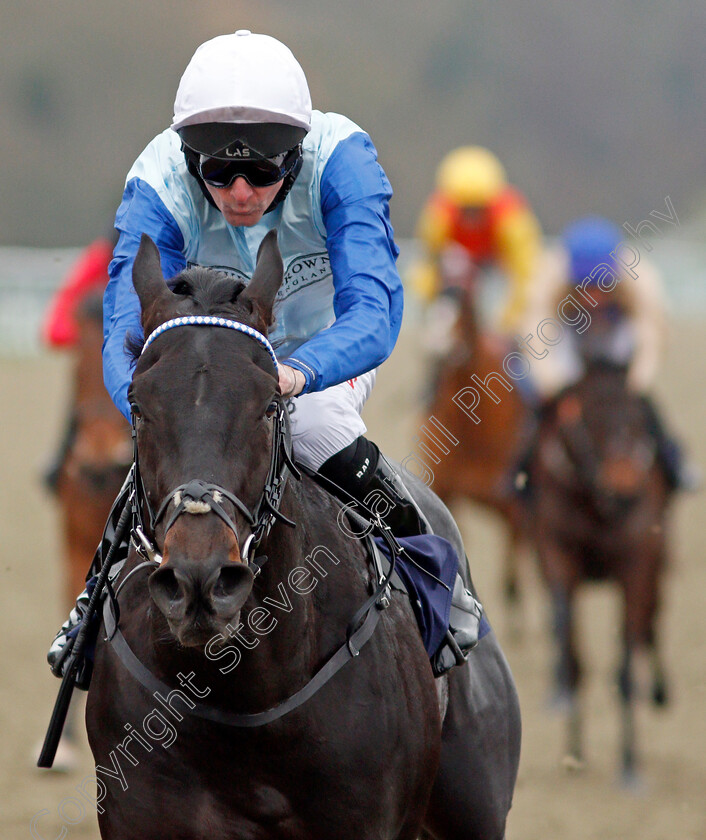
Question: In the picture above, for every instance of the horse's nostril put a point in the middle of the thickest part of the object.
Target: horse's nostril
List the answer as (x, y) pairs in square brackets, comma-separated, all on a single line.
[(221, 594), (167, 592), (230, 588), (167, 581), (228, 581)]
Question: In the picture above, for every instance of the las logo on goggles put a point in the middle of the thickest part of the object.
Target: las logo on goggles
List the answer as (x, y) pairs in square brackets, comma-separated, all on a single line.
[(258, 172)]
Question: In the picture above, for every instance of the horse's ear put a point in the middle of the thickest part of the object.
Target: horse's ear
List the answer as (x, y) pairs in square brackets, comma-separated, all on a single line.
[(259, 295), (147, 277)]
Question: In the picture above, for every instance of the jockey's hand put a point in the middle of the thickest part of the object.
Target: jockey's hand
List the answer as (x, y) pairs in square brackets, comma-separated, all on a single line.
[(291, 381)]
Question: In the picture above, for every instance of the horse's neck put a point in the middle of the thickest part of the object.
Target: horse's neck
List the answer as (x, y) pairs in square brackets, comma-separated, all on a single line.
[(605, 380), (468, 320), (309, 566), (88, 370)]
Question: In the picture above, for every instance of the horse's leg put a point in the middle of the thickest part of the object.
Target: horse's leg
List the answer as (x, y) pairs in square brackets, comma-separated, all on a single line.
[(566, 668), (629, 773), (657, 690), (516, 515), (660, 690), (510, 570), (567, 672), (640, 592), (514, 624), (480, 750), (516, 556)]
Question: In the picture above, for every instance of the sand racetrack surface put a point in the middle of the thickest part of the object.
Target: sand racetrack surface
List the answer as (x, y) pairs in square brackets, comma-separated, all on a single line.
[(551, 803)]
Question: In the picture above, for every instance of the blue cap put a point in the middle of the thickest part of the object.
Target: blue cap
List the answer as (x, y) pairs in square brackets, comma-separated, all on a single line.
[(588, 243)]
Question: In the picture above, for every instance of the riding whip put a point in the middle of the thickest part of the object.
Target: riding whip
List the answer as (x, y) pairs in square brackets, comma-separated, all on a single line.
[(61, 706)]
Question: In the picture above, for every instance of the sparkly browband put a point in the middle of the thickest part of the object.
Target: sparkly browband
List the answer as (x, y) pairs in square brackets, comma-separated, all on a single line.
[(212, 321)]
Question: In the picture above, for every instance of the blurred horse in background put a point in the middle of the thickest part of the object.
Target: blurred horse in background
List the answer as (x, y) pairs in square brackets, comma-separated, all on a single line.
[(95, 452), (98, 453), (480, 466), (599, 503)]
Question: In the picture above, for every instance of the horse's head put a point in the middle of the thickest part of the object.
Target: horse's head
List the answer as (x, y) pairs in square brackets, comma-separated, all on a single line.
[(203, 399), (610, 338), (101, 451), (602, 446)]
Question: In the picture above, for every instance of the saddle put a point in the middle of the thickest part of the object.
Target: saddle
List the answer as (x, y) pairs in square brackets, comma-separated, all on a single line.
[(451, 621), (426, 568)]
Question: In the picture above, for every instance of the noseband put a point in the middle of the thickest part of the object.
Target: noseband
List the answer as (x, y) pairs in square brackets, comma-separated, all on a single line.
[(199, 497)]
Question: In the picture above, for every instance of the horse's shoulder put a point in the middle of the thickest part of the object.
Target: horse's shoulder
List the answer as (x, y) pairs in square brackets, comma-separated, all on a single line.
[(330, 521)]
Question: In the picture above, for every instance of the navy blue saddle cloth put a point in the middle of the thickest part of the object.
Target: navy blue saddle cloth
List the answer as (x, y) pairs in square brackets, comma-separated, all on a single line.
[(428, 568)]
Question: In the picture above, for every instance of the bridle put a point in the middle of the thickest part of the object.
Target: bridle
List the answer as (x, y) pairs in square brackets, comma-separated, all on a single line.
[(577, 441), (197, 492), (198, 496), (581, 450)]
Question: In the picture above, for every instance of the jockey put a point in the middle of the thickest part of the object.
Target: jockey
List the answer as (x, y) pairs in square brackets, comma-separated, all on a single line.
[(473, 209), (59, 330), (245, 154), (623, 322)]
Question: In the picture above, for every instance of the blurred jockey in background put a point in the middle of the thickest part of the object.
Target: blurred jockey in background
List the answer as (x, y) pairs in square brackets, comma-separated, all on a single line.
[(473, 209), (608, 314), (89, 273), (60, 331)]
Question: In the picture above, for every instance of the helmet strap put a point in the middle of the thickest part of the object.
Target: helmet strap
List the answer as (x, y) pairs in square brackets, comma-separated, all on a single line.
[(191, 166), (287, 185)]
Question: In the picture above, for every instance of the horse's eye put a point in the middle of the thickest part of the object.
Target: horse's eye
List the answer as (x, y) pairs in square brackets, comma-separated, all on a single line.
[(181, 288), (271, 410)]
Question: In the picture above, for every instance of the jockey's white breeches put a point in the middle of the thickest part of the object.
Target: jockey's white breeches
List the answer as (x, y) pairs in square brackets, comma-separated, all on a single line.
[(325, 422)]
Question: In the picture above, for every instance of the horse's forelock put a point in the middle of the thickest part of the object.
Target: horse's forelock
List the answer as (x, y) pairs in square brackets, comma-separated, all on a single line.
[(197, 291), (209, 290)]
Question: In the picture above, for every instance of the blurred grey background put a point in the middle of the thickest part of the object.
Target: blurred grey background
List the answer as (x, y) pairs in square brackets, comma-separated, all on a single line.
[(592, 106)]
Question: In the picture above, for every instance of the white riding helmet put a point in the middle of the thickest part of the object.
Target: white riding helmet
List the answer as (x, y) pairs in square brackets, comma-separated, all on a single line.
[(242, 87)]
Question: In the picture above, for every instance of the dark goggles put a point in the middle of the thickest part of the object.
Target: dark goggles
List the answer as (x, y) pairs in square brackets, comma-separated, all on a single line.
[(258, 172)]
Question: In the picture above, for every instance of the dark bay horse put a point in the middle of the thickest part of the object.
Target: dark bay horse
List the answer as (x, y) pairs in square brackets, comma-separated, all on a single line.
[(600, 505), (381, 750), (98, 454), (480, 467)]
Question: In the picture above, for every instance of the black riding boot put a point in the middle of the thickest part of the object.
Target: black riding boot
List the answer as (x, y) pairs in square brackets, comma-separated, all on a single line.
[(363, 471), (680, 475)]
